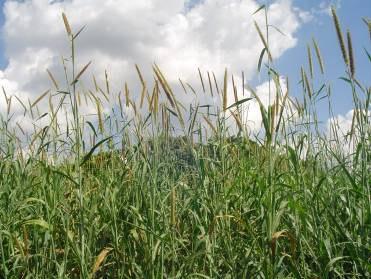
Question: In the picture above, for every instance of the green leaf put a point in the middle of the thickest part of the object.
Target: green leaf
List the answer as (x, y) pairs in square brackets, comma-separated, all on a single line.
[(92, 127), (259, 9), (277, 29), (172, 112), (347, 173), (29, 200), (87, 156), (368, 55), (62, 92), (38, 222), (345, 79), (332, 262), (261, 58), (239, 102), (42, 116), (78, 33), (264, 115), (66, 176)]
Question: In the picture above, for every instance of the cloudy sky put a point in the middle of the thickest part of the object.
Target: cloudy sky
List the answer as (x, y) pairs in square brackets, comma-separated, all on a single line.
[(180, 36)]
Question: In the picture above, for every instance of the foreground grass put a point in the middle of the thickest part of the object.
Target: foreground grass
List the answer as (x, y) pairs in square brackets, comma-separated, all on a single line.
[(209, 217), (293, 205)]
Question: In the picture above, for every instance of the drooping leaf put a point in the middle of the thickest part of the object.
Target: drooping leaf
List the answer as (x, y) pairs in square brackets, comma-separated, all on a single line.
[(259, 9), (99, 260), (261, 58), (38, 222), (92, 127), (239, 103), (87, 156)]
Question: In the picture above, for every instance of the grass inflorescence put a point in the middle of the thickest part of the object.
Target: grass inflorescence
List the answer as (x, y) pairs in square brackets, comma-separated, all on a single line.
[(156, 190)]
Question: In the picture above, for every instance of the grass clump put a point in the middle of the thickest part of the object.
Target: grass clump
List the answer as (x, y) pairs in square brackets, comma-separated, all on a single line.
[(138, 199)]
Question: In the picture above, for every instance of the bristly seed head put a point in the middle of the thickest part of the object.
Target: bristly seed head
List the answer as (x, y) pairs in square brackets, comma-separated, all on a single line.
[(340, 36), (66, 24), (351, 56)]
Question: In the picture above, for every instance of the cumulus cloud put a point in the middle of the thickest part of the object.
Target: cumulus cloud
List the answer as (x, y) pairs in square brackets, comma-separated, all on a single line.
[(343, 131), (325, 7), (267, 94), (178, 35)]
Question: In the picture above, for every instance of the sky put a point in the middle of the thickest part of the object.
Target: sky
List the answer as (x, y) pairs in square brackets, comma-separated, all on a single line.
[(179, 35)]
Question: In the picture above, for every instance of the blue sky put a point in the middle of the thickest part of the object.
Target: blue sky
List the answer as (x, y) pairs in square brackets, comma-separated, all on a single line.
[(321, 28), (350, 13), (3, 61)]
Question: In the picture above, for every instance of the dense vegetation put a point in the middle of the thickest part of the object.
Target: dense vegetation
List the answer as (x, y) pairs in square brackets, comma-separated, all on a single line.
[(211, 201)]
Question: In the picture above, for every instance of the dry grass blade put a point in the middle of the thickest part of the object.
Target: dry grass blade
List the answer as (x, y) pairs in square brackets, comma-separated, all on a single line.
[(104, 94), (40, 98), (52, 79), (192, 89), (95, 83), (164, 86), (142, 94), (134, 108), (152, 97), (280, 234), (210, 124), (20, 128), (99, 260), (184, 88), (80, 73), (22, 104), (202, 81), (66, 24), (144, 87), (154, 100), (169, 94), (140, 76), (274, 239), (339, 35), (237, 119)]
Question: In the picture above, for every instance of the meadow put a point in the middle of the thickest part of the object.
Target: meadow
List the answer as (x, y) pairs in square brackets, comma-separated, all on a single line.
[(154, 189)]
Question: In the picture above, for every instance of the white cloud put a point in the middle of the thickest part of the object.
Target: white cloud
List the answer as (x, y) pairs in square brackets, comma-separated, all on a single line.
[(343, 131), (324, 8), (212, 35)]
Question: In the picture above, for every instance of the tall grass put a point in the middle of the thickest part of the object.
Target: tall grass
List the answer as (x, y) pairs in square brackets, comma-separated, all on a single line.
[(157, 190)]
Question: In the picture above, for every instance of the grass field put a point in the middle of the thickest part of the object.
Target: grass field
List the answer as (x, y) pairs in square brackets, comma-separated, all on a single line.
[(155, 190)]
